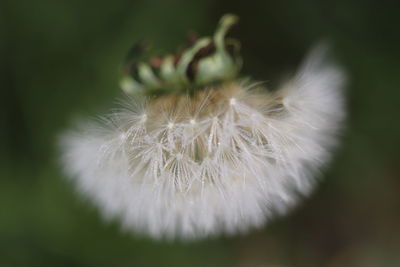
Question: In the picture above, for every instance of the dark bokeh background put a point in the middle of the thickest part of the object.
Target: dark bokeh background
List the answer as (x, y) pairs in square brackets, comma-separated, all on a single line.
[(61, 58)]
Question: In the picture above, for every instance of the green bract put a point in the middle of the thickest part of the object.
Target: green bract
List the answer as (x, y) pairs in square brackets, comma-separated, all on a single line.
[(207, 61)]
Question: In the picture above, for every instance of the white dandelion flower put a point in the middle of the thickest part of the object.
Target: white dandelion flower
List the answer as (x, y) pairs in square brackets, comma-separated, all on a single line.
[(193, 157)]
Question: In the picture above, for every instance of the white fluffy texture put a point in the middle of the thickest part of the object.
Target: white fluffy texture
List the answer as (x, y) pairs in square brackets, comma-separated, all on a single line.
[(224, 161)]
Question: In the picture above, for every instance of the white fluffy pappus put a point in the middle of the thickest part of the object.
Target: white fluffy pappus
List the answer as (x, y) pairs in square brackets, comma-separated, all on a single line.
[(224, 160)]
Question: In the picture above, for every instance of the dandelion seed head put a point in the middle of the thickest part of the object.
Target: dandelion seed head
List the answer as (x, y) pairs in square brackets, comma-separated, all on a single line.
[(220, 160), (234, 173)]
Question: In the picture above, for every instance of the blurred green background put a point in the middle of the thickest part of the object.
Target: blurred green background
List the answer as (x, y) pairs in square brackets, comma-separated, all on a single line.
[(62, 58)]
